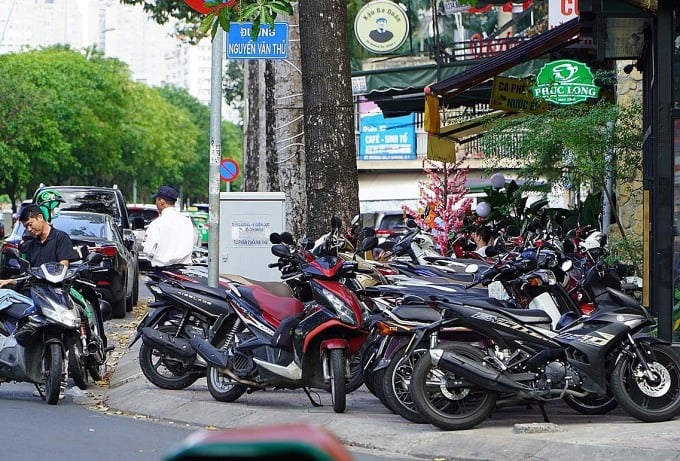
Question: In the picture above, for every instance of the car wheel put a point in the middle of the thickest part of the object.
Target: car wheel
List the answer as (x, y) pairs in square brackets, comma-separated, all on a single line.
[(135, 289), (118, 308)]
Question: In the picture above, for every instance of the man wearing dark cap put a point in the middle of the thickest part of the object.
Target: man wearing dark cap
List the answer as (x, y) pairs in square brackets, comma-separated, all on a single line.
[(169, 239)]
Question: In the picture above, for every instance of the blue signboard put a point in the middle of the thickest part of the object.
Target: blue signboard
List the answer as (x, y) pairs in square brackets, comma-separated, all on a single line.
[(270, 44), (392, 138)]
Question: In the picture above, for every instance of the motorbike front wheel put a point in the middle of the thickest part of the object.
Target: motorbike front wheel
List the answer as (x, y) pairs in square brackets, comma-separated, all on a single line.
[(337, 366), (163, 370), (53, 363), (649, 400), (395, 385), (222, 387), (466, 406)]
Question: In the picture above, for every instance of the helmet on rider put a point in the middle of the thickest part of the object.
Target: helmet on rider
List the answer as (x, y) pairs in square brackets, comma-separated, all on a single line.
[(48, 201)]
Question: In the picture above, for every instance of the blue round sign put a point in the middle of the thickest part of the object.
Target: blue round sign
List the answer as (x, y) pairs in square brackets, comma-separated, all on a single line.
[(229, 170)]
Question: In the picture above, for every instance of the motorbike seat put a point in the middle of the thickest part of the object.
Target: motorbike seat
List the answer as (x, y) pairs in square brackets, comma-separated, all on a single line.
[(276, 288), (418, 313), (275, 308), (532, 316)]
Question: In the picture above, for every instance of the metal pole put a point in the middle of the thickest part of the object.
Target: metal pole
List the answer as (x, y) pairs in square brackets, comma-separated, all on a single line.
[(608, 182), (215, 157)]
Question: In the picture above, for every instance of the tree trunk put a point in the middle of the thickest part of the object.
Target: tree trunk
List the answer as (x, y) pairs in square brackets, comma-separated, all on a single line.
[(332, 178), (254, 136), (289, 135), (271, 162)]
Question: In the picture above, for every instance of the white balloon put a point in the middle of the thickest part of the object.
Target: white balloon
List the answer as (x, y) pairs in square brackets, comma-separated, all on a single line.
[(497, 181), (483, 209)]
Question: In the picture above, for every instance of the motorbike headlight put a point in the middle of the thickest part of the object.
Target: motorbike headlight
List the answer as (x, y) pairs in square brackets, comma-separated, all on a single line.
[(345, 313), (60, 314)]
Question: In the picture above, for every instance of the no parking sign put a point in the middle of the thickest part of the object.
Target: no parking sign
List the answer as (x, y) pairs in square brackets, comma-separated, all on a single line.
[(229, 170)]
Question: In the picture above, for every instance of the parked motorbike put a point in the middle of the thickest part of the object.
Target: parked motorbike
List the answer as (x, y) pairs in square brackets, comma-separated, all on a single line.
[(606, 352), (304, 341), (53, 332), (184, 306)]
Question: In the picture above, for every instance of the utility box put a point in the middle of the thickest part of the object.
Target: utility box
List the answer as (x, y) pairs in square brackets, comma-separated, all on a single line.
[(246, 220)]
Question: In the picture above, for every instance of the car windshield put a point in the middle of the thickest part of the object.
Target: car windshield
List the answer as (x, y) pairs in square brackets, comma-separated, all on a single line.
[(86, 225), (392, 221), (146, 215), (90, 200), (89, 225)]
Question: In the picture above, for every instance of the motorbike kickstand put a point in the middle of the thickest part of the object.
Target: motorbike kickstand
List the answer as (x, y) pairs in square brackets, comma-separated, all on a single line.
[(311, 399), (541, 405), (40, 391)]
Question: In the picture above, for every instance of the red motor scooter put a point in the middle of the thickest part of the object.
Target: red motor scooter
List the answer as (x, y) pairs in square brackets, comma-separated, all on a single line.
[(303, 341)]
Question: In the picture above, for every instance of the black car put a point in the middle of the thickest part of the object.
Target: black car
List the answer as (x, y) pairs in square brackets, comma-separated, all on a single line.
[(117, 277)]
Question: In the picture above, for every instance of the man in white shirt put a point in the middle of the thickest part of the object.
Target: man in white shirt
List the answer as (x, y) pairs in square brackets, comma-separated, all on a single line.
[(169, 239)]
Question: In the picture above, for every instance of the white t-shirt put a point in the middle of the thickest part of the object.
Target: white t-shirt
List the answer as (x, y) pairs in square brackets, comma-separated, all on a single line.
[(169, 239)]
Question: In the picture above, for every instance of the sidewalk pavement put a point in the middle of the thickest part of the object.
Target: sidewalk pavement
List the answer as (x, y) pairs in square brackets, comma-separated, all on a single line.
[(512, 433)]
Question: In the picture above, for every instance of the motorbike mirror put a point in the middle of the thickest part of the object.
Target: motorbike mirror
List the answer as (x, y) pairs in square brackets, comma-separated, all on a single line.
[(411, 223), (93, 258), (12, 253), (275, 238), (336, 222), (471, 268), (368, 243), (567, 264), (280, 251), (368, 231), (287, 238), (490, 252), (513, 231)]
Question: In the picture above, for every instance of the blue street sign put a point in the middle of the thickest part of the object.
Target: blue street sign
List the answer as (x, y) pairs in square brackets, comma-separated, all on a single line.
[(270, 44)]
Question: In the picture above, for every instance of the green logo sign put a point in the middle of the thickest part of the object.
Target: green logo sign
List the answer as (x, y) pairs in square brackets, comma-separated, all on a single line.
[(565, 82)]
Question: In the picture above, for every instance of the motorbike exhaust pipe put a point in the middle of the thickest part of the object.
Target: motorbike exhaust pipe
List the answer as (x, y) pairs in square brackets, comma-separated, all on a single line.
[(177, 347), (474, 372), (208, 352)]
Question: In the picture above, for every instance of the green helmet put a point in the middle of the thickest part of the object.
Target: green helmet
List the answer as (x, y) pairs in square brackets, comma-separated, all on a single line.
[(48, 200)]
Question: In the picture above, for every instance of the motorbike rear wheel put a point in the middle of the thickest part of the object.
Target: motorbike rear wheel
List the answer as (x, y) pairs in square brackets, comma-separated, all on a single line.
[(222, 387), (356, 378), (337, 365), (76, 366), (591, 405), (52, 367), (648, 400), (163, 370), (446, 400)]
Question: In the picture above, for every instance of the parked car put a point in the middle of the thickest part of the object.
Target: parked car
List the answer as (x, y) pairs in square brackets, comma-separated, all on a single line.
[(146, 213), (200, 220), (385, 223), (117, 277)]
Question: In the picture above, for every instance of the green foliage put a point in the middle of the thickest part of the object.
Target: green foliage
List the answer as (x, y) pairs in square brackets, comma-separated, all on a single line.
[(78, 118), (567, 145), (256, 11), (627, 250)]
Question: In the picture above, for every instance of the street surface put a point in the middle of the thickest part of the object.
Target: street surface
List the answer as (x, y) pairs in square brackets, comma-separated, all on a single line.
[(83, 427)]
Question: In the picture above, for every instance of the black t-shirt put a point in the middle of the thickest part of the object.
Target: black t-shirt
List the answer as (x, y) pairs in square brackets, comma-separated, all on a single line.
[(57, 247)]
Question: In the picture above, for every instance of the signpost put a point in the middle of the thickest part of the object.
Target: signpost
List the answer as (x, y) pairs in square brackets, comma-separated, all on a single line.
[(270, 44)]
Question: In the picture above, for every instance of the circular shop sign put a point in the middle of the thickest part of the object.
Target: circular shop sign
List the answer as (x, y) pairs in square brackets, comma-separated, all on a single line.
[(381, 26)]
